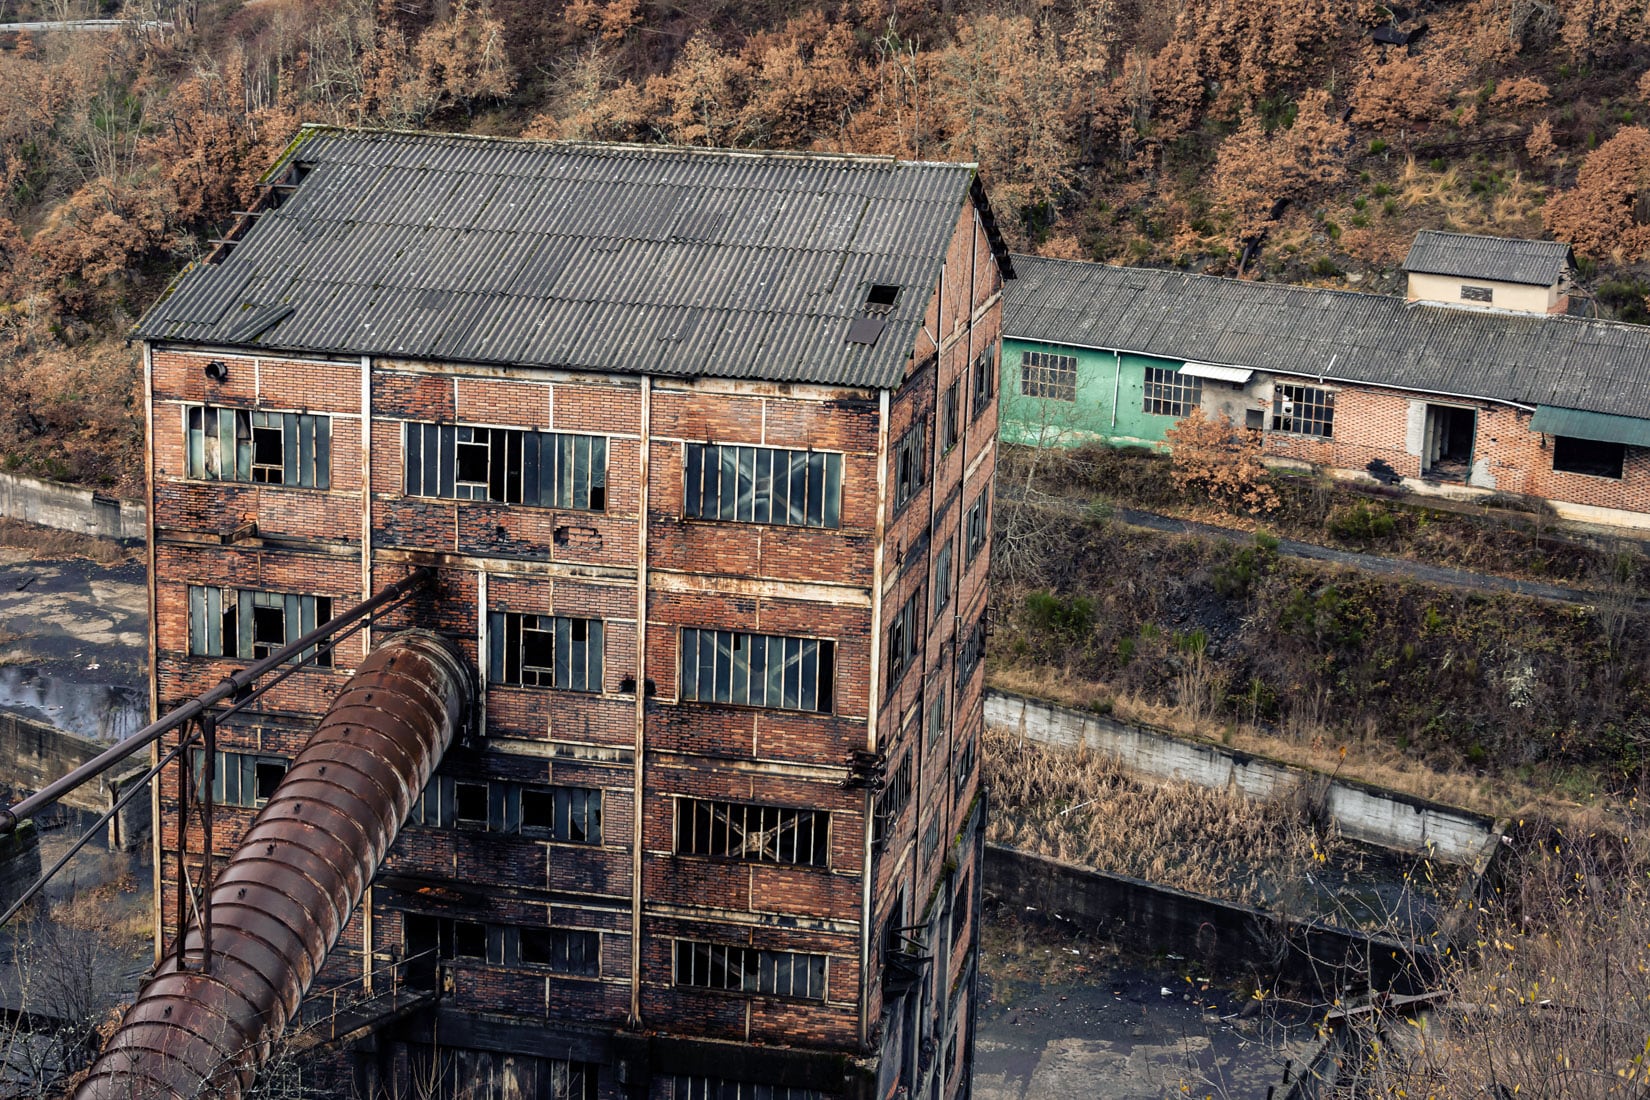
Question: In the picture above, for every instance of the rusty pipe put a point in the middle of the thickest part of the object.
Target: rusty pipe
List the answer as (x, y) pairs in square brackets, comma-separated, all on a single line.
[(282, 901)]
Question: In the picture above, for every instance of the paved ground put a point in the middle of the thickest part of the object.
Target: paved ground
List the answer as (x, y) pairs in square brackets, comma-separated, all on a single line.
[(1372, 563), (72, 648), (1061, 1018)]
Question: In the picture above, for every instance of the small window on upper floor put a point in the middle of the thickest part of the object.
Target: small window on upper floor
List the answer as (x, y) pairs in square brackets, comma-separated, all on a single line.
[(258, 446), (910, 464)]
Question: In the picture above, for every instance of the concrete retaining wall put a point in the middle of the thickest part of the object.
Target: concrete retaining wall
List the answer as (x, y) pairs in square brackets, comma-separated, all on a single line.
[(1362, 812), (19, 863), (1227, 937), (70, 509), (33, 754)]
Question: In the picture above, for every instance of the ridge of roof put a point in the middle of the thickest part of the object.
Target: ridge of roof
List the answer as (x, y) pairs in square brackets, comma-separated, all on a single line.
[(1521, 260)]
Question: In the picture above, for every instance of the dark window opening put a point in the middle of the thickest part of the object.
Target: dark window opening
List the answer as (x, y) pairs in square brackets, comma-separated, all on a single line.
[(571, 815), (1588, 456), (757, 670), (1449, 440), (561, 950), (910, 469), (1478, 294), (760, 834), (470, 803), (266, 776), (469, 940), (268, 455), (551, 651), (506, 466), (892, 800), (949, 428), (268, 630)]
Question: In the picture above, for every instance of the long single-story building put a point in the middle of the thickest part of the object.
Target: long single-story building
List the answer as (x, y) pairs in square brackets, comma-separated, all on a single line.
[(1476, 382)]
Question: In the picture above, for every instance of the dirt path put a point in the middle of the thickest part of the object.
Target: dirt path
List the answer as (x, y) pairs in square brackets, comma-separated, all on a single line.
[(1371, 563)]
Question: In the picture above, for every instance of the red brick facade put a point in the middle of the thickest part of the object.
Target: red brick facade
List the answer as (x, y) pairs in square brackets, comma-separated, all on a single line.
[(646, 572)]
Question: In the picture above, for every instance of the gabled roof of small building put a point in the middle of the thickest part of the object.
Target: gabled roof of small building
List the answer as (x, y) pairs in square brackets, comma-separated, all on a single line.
[(578, 255), (1497, 259), (1336, 335)]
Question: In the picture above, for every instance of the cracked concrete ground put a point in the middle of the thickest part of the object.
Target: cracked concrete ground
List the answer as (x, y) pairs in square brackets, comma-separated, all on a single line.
[(72, 643)]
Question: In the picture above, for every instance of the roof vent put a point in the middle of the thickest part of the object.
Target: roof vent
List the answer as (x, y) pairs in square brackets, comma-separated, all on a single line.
[(880, 299)]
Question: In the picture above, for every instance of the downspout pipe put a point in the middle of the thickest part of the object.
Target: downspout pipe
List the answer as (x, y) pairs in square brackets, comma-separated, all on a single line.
[(205, 1028)]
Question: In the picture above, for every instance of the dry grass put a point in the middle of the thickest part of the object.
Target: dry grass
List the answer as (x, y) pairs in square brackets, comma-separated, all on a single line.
[(1084, 808), (50, 543), (1369, 758)]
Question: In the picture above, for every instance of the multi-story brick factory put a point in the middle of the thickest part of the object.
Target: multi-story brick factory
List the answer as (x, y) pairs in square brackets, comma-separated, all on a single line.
[(698, 447)]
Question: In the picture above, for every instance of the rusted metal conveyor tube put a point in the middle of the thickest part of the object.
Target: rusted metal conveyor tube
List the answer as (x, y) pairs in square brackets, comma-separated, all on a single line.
[(284, 898)]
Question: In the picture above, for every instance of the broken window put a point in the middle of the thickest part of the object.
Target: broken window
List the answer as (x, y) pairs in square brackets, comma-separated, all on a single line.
[(1477, 293), (239, 779), (950, 432), (910, 470), (965, 763), (470, 803), (1588, 456), (1171, 393), (936, 719), (255, 445), (561, 950), (1306, 410), (976, 526), (1044, 374), (892, 800), (757, 670), (570, 815), (760, 834), (469, 940), (962, 900), (762, 485), (971, 650), (506, 466), (553, 651), (249, 626), (942, 577), (748, 970), (985, 379), (904, 639)]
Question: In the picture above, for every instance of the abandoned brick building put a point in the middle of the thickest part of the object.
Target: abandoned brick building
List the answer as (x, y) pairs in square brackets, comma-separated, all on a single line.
[(699, 445)]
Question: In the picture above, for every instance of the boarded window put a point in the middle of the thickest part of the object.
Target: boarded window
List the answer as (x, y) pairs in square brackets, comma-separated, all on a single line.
[(560, 950), (985, 379), (256, 445), (1171, 393), (506, 466), (758, 670), (248, 625), (977, 526), (239, 779), (1478, 294), (760, 834), (904, 637), (762, 485), (910, 467), (1588, 456), (552, 651), (950, 430), (748, 970), (942, 577), (1306, 410), (1044, 374), (892, 800)]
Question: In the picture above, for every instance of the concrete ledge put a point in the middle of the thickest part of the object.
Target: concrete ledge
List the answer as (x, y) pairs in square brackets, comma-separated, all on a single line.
[(1229, 937), (70, 509), (1361, 811), (33, 754)]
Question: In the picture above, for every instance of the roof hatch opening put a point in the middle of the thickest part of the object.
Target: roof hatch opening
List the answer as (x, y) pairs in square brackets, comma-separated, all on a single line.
[(881, 298)]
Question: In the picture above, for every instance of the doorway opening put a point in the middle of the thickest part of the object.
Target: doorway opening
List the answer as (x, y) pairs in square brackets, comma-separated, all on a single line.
[(1448, 454)]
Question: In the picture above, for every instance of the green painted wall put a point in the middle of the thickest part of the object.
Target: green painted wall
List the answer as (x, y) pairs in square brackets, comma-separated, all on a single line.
[(1049, 422)]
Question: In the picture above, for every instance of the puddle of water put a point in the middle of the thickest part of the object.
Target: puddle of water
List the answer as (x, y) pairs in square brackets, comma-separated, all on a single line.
[(105, 712)]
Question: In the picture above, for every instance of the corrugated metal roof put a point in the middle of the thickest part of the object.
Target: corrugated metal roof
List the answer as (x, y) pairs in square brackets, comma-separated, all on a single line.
[(580, 255), (1602, 427), (1376, 339), (1498, 259)]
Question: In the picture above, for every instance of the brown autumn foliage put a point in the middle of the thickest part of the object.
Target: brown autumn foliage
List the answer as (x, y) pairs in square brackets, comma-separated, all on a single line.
[(1603, 214), (1256, 169), (1213, 456), (1399, 92), (1540, 145)]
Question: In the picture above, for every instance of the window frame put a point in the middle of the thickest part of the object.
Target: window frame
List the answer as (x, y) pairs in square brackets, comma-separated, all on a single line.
[(983, 387), (818, 474), (566, 671), (977, 521), (1048, 375), (1571, 443), (560, 941), (905, 639), (218, 625), (687, 822), (546, 464), (1319, 401), (305, 437), (1167, 391), (823, 691), (749, 964), (950, 417), (247, 767), (910, 463)]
